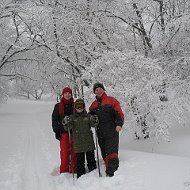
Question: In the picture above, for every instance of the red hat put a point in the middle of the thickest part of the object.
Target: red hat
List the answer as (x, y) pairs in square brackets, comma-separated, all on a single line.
[(67, 89)]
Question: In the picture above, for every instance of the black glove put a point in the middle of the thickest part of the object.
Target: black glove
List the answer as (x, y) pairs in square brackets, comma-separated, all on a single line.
[(58, 136)]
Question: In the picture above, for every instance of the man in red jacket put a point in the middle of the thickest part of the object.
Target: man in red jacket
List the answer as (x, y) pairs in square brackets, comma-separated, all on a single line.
[(111, 119), (62, 109)]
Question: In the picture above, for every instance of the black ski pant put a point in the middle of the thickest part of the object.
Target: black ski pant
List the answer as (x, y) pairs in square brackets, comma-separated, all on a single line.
[(91, 162), (109, 145)]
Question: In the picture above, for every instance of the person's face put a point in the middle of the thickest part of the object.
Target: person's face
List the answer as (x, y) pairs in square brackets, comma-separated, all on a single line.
[(79, 110), (67, 95), (99, 91)]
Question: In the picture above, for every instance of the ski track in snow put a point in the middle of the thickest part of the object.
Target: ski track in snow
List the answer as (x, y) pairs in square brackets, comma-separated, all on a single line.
[(30, 160)]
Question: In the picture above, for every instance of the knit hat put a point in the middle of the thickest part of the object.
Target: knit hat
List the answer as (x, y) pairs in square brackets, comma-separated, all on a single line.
[(79, 103), (98, 85), (67, 89)]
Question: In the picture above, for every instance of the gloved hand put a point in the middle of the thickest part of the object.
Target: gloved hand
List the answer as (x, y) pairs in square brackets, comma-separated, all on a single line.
[(58, 136), (66, 120), (67, 123), (94, 119)]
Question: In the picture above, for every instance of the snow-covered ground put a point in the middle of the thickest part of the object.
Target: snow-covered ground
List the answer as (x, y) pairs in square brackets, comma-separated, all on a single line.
[(29, 154)]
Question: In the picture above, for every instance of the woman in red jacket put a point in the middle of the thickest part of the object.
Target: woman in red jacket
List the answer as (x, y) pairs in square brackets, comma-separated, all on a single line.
[(111, 119), (62, 109)]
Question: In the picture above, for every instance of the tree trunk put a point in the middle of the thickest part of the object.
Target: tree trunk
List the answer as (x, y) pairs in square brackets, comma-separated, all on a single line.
[(142, 31)]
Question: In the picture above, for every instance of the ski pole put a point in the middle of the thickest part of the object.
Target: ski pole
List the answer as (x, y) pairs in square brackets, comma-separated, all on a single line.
[(70, 155), (97, 155)]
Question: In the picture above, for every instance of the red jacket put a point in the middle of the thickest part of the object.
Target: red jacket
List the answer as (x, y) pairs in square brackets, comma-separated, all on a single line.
[(108, 110)]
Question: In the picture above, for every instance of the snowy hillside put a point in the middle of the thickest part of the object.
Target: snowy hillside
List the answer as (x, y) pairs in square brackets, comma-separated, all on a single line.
[(29, 155)]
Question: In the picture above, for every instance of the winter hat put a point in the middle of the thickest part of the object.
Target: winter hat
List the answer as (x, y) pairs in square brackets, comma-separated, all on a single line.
[(79, 103), (98, 85), (67, 89)]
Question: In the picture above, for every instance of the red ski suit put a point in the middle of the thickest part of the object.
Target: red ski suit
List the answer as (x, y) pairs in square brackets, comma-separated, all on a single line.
[(67, 154)]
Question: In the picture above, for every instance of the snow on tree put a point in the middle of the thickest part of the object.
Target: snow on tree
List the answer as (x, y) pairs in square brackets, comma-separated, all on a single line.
[(144, 89)]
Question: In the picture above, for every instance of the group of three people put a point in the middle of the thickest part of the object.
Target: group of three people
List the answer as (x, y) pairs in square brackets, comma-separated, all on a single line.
[(75, 135)]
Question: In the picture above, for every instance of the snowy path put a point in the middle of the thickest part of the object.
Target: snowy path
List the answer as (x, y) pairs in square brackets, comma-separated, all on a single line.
[(29, 153), (26, 142)]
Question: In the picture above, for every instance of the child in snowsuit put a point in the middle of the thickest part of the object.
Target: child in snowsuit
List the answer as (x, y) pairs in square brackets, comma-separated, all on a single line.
[(80, 123)]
